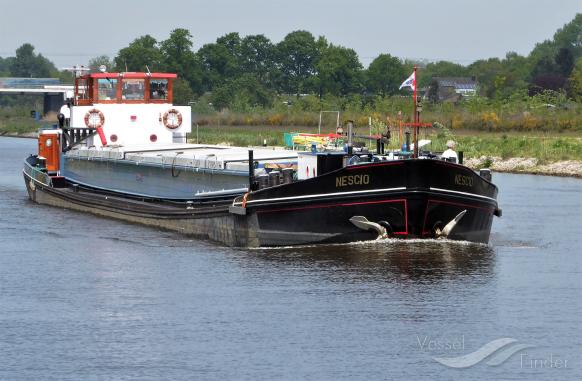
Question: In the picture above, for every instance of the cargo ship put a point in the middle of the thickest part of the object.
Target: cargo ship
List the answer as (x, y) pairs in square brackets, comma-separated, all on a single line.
[(122, 153)]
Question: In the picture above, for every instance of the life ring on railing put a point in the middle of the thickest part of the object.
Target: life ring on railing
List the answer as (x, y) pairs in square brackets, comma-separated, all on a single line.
[(94, 118), (172, 119)]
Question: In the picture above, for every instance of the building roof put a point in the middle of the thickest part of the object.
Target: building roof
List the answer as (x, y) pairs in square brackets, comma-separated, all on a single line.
[(465, 83), (21, 83)]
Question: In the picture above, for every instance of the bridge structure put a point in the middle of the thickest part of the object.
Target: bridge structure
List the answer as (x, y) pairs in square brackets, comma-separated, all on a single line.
[(53, 92)]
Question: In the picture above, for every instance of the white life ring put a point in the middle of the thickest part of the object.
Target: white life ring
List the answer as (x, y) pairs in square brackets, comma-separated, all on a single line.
[(172, 119), (94, 118)]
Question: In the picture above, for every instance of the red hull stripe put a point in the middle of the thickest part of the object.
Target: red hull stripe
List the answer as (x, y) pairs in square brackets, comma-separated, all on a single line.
[(426, 232), (460, 204)]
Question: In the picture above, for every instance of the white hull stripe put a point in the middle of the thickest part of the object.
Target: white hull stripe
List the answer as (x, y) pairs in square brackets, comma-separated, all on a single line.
[(311, 196), (463, 193)]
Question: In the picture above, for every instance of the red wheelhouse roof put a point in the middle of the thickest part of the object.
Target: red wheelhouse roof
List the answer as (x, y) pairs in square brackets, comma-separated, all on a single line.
[(133, 75)]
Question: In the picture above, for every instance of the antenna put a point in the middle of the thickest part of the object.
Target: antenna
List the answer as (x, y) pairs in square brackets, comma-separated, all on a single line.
[(76, 70)]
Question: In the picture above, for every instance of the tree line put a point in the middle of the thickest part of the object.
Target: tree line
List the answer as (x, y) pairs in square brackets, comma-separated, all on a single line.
[(252, 70)]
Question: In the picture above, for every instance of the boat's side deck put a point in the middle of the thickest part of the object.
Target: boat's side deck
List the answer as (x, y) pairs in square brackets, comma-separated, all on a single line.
[(204, 220), (187, 155)]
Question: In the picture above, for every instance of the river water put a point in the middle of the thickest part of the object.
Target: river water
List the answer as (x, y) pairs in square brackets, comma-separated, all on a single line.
[(87, 298)]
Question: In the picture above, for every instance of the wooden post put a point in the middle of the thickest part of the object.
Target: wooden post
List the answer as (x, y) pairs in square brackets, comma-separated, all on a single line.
[(400, 140), (251, 171)]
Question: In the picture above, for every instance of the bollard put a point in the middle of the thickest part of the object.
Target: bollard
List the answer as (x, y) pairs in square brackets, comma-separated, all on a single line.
[(273, 178), (263, 181), (287, 175)]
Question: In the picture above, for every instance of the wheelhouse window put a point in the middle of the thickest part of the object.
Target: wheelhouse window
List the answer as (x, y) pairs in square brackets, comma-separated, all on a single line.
[(133, 89), (83, 91), (123, 88), (158, 89), (107, 89)]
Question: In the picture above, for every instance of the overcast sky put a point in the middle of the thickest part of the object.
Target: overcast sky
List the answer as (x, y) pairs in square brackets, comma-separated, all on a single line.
[(71, 32)]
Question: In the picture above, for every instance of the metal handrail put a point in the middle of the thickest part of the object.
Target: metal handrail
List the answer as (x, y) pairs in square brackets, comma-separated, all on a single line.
[(38, 175)]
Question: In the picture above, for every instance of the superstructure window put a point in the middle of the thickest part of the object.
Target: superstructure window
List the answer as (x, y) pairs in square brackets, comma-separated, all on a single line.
[(107, 89), (83, 89), (133, 89), (158, 89)]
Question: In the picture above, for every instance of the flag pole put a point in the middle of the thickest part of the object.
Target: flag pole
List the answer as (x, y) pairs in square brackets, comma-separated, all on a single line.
[(415, 139), (414, 93)]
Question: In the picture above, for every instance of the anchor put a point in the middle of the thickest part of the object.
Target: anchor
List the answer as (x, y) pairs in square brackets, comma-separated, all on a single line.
[(449, 227), (363, 223)]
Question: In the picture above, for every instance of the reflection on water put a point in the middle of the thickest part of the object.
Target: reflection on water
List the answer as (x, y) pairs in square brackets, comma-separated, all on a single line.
[(387, 260)]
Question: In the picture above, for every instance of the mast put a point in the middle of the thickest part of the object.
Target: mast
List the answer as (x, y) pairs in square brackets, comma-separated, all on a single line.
[(416, 116)]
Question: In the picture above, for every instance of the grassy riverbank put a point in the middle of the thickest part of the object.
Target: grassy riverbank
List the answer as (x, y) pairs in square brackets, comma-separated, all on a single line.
[(547, 154), (558, 154), (16, 120), (547, 126), (547, 112), (544, 147), (547, 144)]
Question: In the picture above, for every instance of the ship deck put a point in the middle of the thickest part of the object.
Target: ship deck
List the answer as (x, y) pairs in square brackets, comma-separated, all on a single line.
[(214, 157)]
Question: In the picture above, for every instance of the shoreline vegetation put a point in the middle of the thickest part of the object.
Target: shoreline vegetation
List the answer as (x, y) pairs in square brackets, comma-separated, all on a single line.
[(513, 152)]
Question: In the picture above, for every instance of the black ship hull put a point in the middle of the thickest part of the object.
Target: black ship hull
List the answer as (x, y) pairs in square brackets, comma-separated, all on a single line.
[(410, 198)]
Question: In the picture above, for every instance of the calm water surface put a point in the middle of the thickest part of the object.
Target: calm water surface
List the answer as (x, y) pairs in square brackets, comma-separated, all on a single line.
[(86, 298)]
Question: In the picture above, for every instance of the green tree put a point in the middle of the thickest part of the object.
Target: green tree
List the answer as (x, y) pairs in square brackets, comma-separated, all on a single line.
[(433, 91), (439, 69), (96, 62), (183, 94), (242, 94), (220, 61), (564, 61), (232, 43), (257, 57), (222, 97), (177, 52), (217, 65), (385, 74), (551, 61), (178, 57), (339, 71), (297, 55), (551, 73), (541, 50), (258, 95), (516, 69), (575, 88), (503, 78), (546, 65), (4, 67), (141, 52), (28, 64), (570, 36), (485, 71)]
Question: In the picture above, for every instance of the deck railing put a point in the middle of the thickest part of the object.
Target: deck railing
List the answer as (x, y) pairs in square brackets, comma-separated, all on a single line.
[(37, 174)]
